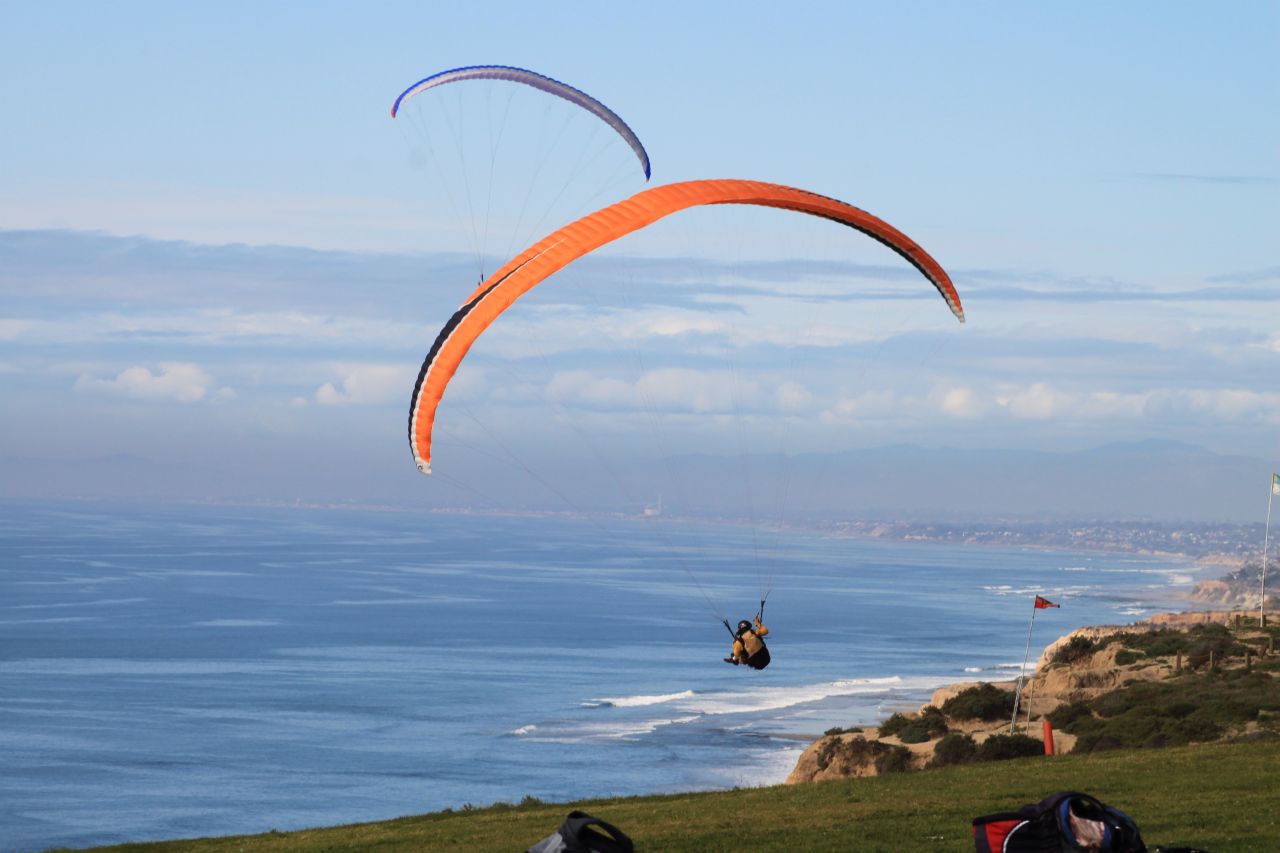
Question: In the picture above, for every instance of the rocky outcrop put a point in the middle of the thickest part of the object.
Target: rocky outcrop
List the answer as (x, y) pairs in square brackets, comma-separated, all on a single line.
[(1241, 588), (862, 753), (942, 694), (1217, 592), (855, 755), (841, 756), (1088, 678)]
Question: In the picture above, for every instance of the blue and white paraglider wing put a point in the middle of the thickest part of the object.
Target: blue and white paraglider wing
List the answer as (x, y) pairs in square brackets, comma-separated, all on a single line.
[(537, 81)]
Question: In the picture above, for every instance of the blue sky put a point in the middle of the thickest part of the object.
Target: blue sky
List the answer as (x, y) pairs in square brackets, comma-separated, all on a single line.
[(221, 258)]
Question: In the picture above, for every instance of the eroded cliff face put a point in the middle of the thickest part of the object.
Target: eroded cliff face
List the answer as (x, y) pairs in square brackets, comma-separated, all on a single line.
[(1242, 588), (1085, 679), (842, 756), (1214, 592), (1207, 617), (1224, 593)]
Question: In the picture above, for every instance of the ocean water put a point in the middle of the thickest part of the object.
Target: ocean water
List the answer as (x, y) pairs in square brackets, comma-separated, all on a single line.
[(189, 671)]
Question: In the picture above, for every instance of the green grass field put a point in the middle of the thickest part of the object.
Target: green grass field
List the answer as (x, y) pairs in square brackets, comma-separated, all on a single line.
[(1221, 797)]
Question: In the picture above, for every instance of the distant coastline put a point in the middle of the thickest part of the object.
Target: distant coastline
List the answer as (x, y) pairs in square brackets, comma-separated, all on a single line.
[(1208, 543), (1235, 548)]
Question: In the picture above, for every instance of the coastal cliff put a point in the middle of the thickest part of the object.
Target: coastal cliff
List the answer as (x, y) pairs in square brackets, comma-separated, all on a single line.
[(1079, 679), (1241, 588)]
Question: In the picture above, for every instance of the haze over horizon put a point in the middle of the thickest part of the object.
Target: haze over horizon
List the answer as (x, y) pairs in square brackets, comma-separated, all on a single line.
[(222, 263)]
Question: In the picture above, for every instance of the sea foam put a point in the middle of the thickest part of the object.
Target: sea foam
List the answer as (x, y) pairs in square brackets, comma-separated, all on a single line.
[(638, 701)]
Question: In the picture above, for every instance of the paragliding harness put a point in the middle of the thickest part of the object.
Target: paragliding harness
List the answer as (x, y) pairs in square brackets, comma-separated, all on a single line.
[(578, 834), (1060, 823), (761, 658)]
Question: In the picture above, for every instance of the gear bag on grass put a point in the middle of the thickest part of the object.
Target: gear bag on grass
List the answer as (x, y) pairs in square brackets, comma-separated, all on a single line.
[(579, 834), (1065, 822)]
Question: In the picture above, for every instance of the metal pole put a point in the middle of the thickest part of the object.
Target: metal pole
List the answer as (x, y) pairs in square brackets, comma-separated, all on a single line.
[(1017, 693), (1266, 542)]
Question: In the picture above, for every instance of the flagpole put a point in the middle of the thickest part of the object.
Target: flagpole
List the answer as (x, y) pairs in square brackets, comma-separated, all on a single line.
[(1017, 693), (1266, 543)]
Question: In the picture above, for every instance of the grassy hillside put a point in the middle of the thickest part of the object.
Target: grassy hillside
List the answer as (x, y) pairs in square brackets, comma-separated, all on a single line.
[(1221, 797)]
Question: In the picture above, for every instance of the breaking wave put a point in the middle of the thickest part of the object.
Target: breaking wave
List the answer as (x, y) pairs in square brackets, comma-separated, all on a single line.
[(638, 701)]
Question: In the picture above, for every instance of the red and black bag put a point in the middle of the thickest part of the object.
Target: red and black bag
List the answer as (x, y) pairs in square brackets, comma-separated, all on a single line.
[(1065, 822)]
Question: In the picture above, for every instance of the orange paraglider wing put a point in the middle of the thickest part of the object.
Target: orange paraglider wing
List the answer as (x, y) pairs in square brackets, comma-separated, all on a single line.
[(558, 250)]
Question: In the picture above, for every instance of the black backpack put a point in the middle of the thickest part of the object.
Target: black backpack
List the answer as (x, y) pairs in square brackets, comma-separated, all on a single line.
[(1065, 822), (578, 834)]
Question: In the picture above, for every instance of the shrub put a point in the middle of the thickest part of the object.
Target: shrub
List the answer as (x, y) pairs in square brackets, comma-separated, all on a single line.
[(1092, 679), (1136, 726), (984, 702), (894, 724), (1186, 709), (1077, 648), (954, 748), (914, 733), (836, 730), (930, 723), (1068, 712), (1082, 726), (1226, 709), (931, 717), (1198, 657), (859, 750), (1117, 702), (1215, 639), (1004, 747), (1097, 743), (1162, 643), (1197, 730), (829, 749), (1124, 657), (896, 759)]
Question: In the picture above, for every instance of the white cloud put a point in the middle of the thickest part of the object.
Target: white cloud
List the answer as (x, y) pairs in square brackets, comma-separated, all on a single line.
[(959, 402), (1039, 401), (583, 387), (793, 397), (180, 381), (668, 389), (672, 325), (216, 326), (1220, 405), (536, 331), (11, 328), (227, 216), (366, 384), (871, 406)]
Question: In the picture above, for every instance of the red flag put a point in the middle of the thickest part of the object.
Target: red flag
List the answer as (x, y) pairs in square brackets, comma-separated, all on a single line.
[(1042, 603)]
